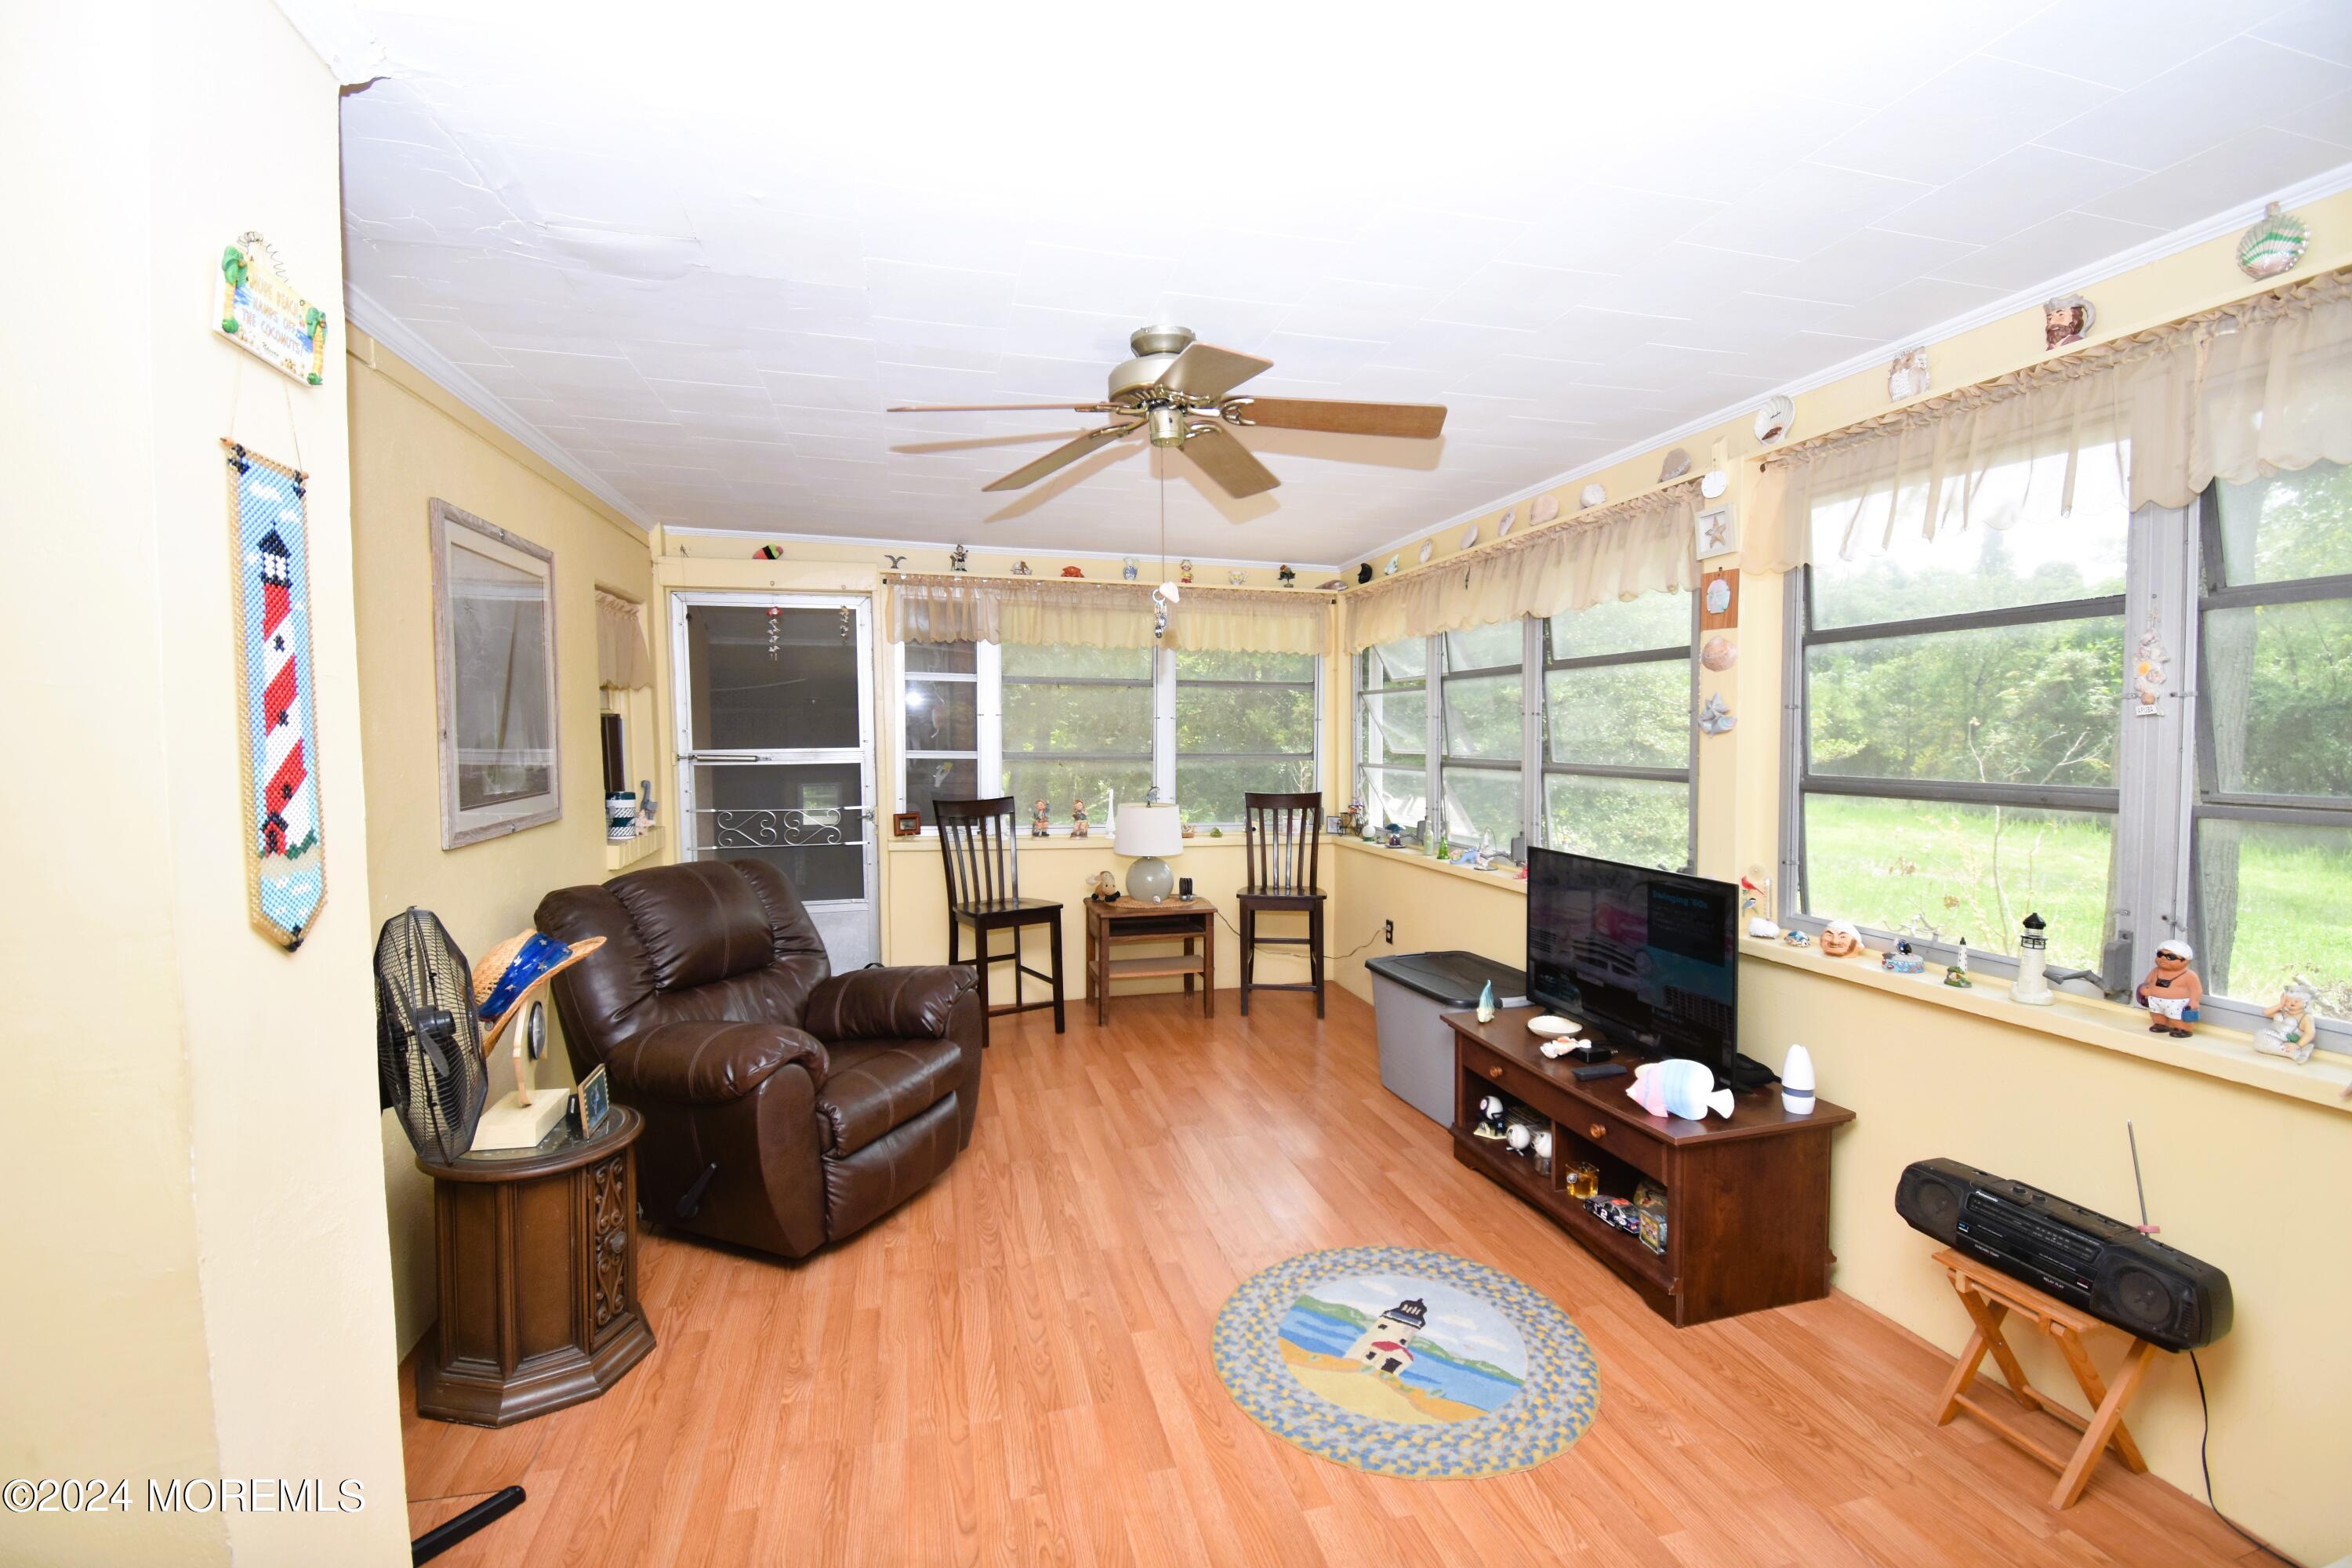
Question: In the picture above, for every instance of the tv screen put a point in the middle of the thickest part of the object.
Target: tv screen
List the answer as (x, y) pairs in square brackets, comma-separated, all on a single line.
[(1648, 960)]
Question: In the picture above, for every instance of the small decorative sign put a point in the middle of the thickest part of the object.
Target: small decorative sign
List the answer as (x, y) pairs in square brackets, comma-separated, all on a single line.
[(261, 314), (284, 861)]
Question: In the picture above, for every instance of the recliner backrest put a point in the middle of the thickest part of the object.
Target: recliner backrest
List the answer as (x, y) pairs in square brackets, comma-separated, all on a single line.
[(709, 940)]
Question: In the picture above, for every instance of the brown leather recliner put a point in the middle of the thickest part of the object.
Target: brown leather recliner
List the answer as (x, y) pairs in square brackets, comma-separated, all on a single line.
[(785, 1107)]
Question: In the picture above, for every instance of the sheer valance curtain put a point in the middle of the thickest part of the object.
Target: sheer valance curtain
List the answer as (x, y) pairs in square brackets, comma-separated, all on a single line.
[(2256, 388), (1640, 545), (954, 609), (622, 660)]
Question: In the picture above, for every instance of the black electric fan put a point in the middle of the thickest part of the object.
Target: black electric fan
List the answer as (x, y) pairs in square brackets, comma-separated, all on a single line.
[(429, 1072)]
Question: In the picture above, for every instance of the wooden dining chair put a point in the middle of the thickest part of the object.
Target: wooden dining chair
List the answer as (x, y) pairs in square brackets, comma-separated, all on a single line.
[(1281, 839), (980, 849)]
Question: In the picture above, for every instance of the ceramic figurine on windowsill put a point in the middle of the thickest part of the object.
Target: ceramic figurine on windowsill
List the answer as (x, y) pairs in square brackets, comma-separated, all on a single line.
[(1040, 821), (1903, 958), (2293, 1027), (1841, 939), (1078, 819), (2172, 991), (1106, 889), (1957, 973)]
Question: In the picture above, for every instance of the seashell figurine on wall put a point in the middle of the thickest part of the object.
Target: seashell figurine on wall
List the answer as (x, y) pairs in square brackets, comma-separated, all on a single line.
[(1545, 507), (1592, 495), (1502, 526), (1428, 549), (1678, 1087), (1395, 561), (1676, 465), (1719, 653), (1774, 419), (1716, 718), (1906, 374), (1469, 536), (2274, 245)]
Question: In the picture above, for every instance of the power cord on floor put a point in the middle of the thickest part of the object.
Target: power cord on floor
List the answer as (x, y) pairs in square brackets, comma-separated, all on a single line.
[(1328, 958), (2206, 1413)]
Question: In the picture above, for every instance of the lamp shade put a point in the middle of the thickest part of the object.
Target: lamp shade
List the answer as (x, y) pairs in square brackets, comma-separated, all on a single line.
[(1152, 828)]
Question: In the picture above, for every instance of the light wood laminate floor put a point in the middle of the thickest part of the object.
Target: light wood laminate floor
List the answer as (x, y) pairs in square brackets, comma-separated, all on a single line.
[(1013, 1368)]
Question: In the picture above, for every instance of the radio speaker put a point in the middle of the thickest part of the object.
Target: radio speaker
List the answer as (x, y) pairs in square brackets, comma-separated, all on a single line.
[(1930, 1197)]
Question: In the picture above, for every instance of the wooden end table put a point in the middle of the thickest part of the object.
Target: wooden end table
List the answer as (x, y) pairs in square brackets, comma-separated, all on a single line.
[(1127, 919), (1989, 1297), (538, 1253)]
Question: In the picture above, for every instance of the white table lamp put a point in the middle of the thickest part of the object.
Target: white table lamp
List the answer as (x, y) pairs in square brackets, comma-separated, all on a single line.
[(1152, 831)]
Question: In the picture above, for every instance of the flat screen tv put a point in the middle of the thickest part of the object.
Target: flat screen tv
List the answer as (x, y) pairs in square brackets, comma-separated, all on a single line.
[(1648, 960)]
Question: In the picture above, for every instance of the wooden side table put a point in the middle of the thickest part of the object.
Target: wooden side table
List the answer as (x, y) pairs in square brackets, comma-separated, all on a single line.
[(538, 1253), (1990, 1296), (1129, 920)]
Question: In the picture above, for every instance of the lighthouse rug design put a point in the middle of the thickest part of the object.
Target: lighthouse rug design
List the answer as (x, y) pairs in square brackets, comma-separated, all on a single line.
[(285, 871)]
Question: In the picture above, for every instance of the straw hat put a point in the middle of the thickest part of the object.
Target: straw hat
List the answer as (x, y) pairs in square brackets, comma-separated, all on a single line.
[(516, 971)]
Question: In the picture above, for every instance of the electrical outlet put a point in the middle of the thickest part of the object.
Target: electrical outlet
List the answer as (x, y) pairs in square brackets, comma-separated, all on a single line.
[(1388, 932)]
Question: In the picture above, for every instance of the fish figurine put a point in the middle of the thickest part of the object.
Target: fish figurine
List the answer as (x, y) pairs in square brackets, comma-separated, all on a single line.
[(1678, 1087)]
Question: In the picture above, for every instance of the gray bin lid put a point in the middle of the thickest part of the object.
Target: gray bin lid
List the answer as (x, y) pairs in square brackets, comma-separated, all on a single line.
[(1451, 979)]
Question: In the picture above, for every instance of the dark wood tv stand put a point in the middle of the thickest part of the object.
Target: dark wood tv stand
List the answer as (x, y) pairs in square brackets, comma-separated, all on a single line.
[(1747, 1200)]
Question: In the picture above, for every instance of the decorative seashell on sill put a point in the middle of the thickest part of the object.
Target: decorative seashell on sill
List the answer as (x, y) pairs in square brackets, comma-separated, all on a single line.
[(2274, 245), (1502, 526), (1774, 420), (1592, 495), (1428, 549), (1545, 507), (1713, 483), (1395, 561), (1469, 536), (1719, 652), (1676, 465)]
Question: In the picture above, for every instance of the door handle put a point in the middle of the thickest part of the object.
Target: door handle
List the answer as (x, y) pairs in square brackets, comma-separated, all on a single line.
[(726, 757)]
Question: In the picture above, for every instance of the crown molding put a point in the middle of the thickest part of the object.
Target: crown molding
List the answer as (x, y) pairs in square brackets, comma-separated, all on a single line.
[(2229, 220), (871, 542), (388, 329)]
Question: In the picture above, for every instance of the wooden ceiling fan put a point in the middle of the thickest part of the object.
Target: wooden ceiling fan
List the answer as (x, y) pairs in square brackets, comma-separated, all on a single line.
[(1180, 394)]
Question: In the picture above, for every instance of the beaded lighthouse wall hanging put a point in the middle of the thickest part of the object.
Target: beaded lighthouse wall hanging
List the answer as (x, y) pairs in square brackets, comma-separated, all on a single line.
[(285, 867)]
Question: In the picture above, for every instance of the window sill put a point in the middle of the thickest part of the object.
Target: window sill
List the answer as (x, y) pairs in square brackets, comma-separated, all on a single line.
[(1505, 882), (927, 842), (2089, 1021), (621, 854)]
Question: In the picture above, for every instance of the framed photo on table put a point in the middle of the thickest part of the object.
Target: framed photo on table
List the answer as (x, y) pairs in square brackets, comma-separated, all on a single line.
[(494, 666)]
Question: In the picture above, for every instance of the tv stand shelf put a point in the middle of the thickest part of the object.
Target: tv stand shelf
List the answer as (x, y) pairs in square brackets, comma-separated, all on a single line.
[(1748, 1199)]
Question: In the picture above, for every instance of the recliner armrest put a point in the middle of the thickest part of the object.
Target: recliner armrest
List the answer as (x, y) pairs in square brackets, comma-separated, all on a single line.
[(911, 1001), (703, 1063)]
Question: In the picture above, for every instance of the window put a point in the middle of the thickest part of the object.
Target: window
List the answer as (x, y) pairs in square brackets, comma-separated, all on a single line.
[(1059, 723), (494, 616), (941, 748), (2133, 725), (1617, 704), (1077, 724), (1392, 732), (1244, 722), (1593, 755), (2273, 811), (1961, 713), (1481, 692)]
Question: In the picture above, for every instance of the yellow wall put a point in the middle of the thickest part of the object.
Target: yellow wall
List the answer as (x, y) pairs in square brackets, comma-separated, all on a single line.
[(2238, 1175), (411, 442), (196, 1222)]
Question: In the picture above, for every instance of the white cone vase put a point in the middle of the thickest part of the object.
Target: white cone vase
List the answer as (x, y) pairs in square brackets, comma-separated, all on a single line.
[(1796, 1082)]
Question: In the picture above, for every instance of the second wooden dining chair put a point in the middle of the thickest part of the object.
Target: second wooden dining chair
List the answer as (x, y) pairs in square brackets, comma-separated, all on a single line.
[(980, 849), (1281, 839)]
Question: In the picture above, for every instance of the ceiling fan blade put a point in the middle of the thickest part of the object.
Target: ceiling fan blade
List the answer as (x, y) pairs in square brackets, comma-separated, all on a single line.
[(1234, 467), (1205, 370), (1417, 421), (998, 407), (1062, 457)]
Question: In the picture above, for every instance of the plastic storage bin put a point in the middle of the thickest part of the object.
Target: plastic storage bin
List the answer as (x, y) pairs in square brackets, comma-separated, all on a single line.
[(1409, 992)]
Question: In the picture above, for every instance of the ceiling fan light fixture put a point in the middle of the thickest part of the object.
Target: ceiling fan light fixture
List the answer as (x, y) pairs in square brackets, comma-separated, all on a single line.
[(1167, 423)]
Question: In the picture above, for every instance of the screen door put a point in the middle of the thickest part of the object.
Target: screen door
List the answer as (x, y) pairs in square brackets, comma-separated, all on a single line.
[(776, 749)]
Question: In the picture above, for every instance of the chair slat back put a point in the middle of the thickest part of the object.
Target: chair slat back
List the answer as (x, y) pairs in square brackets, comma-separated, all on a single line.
[(1282, 840), (979, 851)]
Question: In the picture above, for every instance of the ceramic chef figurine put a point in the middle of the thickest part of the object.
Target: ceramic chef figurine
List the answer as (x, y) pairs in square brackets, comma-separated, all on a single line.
[(1839, 939), (2293, 1029), (1039, 828), (1078, 818), (2172, 991)]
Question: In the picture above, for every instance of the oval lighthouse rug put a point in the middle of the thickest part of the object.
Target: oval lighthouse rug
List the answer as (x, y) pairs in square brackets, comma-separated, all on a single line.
[(1406, 1362)]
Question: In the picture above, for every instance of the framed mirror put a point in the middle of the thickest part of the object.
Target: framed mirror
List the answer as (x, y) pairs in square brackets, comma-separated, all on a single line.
[(494, 637)]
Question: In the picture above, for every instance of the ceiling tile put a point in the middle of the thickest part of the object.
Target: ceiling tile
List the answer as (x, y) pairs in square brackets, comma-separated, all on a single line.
[(919, 293), (2196, 107), (2321, 27), (1866, 262), (2120, 42), (2014, 191), (1801, 208), (1960, 118), (1102, 282), (2245, 167), (1508, 294), (2049, 249)]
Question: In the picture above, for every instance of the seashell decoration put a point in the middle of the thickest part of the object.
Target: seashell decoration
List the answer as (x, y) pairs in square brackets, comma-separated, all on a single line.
[(1428, 549), (1394, 561), (2274, 245), (1906, 374), (1469, 536), (1774, 419), (1719, 652), (1676, 465), (1503, 527), (1713, 483), (1592, 495), (1545, 507), (1716, 717)]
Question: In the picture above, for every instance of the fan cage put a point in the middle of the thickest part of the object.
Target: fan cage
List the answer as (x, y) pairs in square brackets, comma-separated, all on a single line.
[(429, 1067)]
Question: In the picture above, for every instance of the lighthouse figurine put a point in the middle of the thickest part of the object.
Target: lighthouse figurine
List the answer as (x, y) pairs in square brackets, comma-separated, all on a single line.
[(2033, 958)]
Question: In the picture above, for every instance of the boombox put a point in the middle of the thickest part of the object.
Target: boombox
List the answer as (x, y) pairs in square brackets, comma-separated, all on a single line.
[(2082, 1257)]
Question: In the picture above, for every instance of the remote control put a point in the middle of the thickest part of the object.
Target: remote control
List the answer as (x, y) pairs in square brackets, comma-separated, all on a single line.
[(1599, 1070)]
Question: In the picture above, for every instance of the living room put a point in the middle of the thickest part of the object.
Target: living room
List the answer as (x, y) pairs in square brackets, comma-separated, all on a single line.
[(1890, 533)]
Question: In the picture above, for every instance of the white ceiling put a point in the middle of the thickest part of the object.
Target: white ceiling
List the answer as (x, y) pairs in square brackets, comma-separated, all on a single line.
[(697, 250)]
